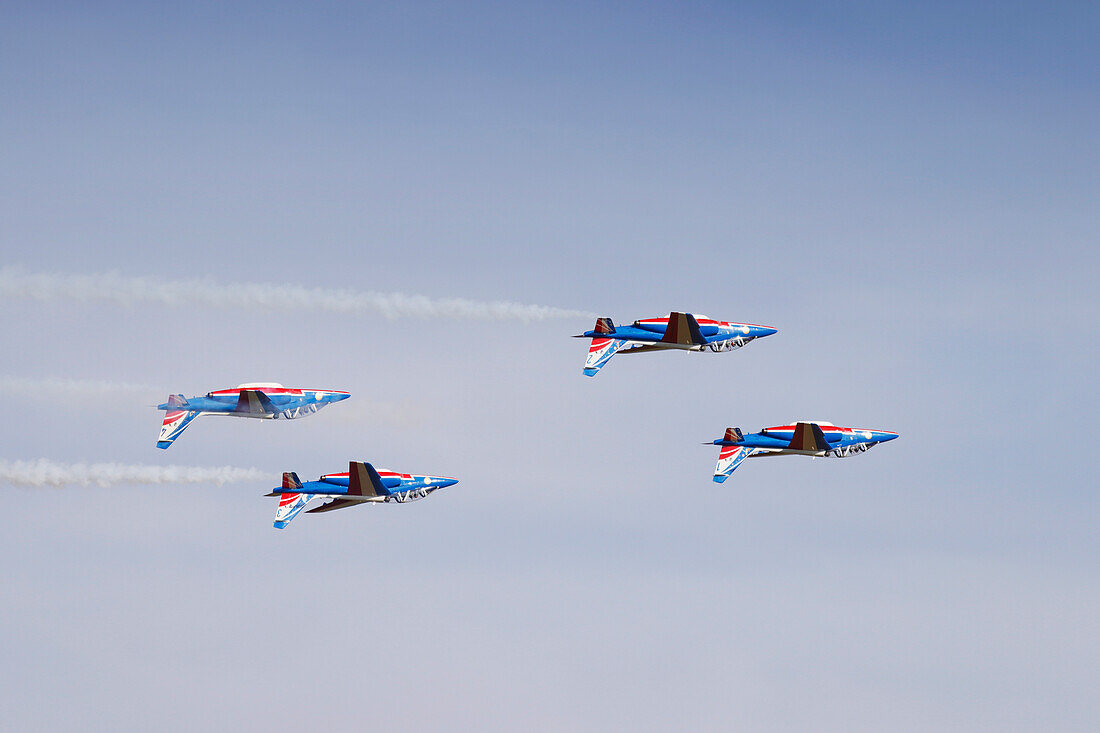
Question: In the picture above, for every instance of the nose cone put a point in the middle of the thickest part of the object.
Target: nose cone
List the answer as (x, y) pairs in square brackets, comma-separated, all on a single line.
[(884, 435), (338, 396), (761, 331), (444, 481)]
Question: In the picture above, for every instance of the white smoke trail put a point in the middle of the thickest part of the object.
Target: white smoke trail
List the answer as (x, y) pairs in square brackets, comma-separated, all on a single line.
[(66, 389), (42, 472), (15, 282)]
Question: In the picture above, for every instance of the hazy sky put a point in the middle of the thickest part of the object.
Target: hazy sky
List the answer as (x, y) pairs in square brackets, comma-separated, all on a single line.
[(909, 193)]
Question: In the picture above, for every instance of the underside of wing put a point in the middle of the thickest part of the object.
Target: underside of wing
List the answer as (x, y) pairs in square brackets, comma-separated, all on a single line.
[(340, 503), (636, 348)]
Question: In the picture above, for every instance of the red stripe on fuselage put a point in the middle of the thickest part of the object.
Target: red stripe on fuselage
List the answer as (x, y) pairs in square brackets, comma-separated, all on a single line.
[(381, 472), (792, 426), (703, 322)]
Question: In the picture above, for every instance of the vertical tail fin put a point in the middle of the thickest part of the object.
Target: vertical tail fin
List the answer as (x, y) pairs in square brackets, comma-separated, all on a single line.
[(290, 502), (731, 455), (176, 419), (602, 348)]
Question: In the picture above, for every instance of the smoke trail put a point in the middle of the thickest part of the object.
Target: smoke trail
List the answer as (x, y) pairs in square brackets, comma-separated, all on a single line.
[(59, 388), (48, 473), (15, 282)]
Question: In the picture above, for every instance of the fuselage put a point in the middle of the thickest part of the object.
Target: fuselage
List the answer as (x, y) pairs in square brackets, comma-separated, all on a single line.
[(719, 335), (259, 400), (403, 487), (842, 441), (285, 402)]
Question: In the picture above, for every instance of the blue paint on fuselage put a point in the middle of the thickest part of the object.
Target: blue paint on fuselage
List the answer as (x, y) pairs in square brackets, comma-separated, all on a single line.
[(782, 438), (228, 403), (340, 484), (655, 332)]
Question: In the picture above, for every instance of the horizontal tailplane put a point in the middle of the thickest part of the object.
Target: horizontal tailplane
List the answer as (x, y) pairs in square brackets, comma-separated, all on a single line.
[(604, 326)]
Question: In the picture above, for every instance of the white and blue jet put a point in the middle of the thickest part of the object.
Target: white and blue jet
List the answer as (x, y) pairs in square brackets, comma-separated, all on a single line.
[(262, 400), (362, 484), (680, 331), (802, 438)]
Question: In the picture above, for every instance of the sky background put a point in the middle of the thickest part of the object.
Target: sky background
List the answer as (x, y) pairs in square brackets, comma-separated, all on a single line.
[(908, 192)]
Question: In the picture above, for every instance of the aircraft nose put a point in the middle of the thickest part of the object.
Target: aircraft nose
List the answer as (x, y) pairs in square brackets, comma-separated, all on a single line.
[(765, 331), (884, 436), (445, 482), (337, 396)]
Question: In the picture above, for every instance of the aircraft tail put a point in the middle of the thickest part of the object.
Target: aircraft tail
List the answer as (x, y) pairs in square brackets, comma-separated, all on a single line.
[(290, 501), (731, 455), (176, 420), (603, 346), (604, 326)]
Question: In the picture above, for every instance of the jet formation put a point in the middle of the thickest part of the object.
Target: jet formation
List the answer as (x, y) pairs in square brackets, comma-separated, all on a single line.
[(680, 331), (362, 484), (804, 438), (263, 400)]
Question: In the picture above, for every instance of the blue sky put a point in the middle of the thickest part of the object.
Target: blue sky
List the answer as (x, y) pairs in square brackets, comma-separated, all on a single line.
[(907, 193)]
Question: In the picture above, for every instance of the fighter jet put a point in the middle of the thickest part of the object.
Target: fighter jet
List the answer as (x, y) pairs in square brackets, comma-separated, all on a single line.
[(265, 400), (360, 485), (805, 438), (682, 331)]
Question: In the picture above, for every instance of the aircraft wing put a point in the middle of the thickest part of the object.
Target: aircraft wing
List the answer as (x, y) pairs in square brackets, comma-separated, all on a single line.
[(254, 402), (338, 502), (808, 437), (683, 329), (364, 481), (364, 485), (640, 348)]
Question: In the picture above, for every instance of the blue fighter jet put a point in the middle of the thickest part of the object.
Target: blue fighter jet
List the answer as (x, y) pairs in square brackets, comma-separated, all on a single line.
[(362, 484), (264, 400), (682, 331), (816, 438)]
